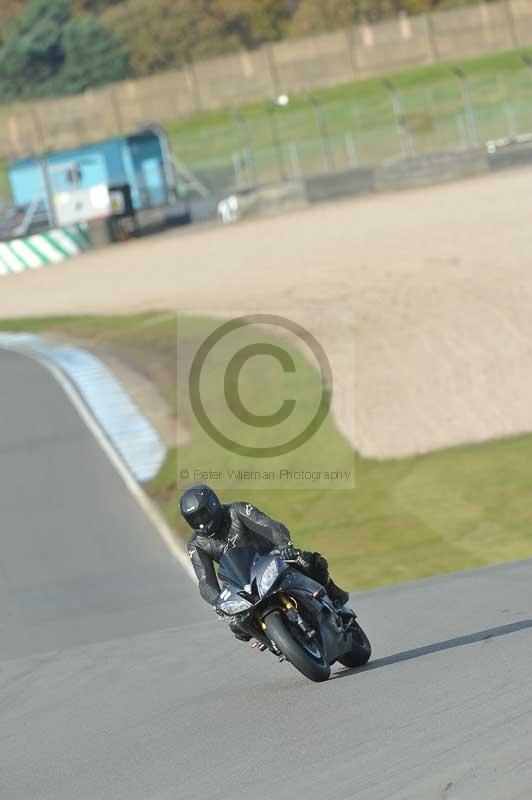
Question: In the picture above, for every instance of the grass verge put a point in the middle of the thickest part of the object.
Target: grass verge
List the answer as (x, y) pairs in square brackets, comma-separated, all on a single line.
[(408, 518), (359, 121)]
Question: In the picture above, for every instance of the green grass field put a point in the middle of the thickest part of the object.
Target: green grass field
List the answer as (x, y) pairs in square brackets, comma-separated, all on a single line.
[(407, 518), (360, 123)]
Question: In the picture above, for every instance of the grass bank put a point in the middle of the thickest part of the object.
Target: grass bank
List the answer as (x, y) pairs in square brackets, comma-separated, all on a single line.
[(359, 122), (407, 518)]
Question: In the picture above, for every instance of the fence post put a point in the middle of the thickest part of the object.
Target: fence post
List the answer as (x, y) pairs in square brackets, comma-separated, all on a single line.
[(462, 130), (324, 133), (510, 120), (404, 133), (525, 58), (507, 105), (276, 141), (295, 162), (350, 148), (237, 168), (246, 139), (468, 106)]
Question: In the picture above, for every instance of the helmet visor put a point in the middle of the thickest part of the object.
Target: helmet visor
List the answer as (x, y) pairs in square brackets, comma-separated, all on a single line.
[(200, 518)]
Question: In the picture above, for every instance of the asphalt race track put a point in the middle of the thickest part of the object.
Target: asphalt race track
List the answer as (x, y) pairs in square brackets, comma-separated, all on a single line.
[(116, 683)]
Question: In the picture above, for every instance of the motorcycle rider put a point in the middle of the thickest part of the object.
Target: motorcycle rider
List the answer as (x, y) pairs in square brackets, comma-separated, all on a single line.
[(218, 527)]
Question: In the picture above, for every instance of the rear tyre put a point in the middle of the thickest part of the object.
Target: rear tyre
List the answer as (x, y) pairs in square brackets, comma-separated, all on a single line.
[(360, 651), (312, 665)]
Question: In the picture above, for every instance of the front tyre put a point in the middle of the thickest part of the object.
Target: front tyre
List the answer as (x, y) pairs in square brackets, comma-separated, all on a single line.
[(308, 659), (360, 650)]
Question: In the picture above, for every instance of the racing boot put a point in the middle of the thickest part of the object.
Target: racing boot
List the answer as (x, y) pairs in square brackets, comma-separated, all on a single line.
[(337, 595)]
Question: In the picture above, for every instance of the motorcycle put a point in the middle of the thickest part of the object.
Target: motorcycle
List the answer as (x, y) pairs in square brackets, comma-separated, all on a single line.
[(289, 614)]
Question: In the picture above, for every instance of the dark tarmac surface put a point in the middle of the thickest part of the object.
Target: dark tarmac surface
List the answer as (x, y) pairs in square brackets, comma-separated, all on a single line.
[(116, 683)]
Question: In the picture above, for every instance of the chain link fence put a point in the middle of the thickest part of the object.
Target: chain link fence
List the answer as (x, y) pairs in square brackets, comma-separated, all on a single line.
[(302, 137)]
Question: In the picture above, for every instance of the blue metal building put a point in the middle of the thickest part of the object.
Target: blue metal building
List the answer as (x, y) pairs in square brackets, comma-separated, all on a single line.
[(141, 161)]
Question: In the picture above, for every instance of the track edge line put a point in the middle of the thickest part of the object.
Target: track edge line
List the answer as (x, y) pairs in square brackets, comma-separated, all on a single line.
[(145, 502)]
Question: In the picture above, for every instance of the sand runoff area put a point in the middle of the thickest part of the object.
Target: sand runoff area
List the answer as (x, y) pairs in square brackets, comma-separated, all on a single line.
[(422, 301)]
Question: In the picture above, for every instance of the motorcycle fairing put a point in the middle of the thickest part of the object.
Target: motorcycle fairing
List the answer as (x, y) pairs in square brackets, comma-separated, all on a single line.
[(240, 571), (236, 566)]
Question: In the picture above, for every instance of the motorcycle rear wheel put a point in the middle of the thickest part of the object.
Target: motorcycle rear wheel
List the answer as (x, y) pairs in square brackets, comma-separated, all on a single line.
[(360, 651), (310, 665)]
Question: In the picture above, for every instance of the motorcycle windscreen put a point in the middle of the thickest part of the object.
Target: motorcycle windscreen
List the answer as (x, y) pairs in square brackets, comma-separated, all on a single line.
[(235, 566)]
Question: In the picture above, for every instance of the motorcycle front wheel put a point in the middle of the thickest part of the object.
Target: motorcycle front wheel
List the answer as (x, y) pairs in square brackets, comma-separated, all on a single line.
[(360, 652), (304, 656)]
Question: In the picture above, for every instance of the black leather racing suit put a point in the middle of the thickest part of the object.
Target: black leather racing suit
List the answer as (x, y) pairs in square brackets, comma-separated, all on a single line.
[(244, 525)]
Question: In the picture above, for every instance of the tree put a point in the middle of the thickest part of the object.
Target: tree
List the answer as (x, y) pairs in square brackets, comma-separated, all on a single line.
[(94, 6), (253, 21), (316, 16), (47, 51), (92, 56), (9, 9), (31, 54), (59, 46), (167, 33)]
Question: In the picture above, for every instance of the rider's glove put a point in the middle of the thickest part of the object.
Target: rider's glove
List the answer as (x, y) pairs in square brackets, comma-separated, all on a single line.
[(289, 553), (220, 613), (303, 561)]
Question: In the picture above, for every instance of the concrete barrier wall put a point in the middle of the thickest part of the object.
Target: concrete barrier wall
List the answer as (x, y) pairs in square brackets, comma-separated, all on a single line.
[(401, 174), (418, 172), (430, 169), (341, 184), (292, 65)]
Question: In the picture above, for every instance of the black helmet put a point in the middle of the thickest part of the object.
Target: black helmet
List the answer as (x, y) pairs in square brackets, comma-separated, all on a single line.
[(201, 508)]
